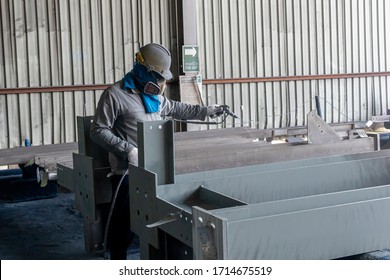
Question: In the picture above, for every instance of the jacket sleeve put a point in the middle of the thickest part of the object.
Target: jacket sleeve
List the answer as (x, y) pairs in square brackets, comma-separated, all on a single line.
[(182, 111), (102, 127)]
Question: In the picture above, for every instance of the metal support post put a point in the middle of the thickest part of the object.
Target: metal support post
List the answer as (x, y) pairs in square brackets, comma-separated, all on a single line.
[(156, 166), (155, 149)]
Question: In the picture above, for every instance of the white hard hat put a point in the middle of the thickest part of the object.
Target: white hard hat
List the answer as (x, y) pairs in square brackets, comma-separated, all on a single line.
[(156, 58)]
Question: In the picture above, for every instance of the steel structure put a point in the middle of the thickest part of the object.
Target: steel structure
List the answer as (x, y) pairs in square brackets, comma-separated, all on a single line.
[(311, 208), (232, 194)]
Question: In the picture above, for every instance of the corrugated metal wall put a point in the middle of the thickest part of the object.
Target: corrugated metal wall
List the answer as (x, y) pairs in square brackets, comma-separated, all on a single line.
[(272, 38), (71, 42), (68, 42)]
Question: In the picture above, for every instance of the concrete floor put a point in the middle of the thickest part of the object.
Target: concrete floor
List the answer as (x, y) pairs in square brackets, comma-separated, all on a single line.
[(44, 229)]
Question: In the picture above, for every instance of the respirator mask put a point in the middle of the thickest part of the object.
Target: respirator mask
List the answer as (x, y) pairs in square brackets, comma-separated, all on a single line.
[(153, 83), (155, 88)]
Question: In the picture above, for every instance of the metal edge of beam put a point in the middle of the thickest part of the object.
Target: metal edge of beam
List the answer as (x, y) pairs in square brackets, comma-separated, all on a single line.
[(302, 203)]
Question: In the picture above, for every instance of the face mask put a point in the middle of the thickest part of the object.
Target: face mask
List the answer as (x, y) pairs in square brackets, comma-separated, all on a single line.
[(154, 89)]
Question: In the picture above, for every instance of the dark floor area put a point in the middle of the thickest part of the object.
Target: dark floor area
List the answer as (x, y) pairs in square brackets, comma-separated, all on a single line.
[(44, 229)]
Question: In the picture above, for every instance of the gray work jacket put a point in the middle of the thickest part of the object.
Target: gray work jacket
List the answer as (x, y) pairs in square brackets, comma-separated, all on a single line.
[(114, 124)]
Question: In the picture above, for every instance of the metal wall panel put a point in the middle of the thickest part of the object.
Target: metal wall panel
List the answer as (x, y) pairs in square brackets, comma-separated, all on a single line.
[(70, 42), (276, 38), (54, 43)]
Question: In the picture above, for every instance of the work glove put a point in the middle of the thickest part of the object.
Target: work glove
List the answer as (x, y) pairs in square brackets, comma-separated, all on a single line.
[(133, 157), (214, 111)]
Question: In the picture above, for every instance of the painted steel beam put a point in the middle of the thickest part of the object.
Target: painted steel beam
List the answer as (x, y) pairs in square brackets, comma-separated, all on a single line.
[(214, 211), (65, 176), (235, 155), (51, 153), (319, 233)]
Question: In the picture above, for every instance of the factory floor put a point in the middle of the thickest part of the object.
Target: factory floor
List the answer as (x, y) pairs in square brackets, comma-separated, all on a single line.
[(52, 229), (45, 229)]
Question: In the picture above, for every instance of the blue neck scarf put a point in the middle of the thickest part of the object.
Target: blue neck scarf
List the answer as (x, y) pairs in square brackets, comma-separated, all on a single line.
[(137, 79)]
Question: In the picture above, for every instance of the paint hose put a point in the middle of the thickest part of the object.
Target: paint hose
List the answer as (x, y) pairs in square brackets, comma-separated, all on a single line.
[(105, 250)]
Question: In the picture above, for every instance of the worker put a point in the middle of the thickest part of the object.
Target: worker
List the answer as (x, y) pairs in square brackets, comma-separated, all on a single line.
[(136, 97)]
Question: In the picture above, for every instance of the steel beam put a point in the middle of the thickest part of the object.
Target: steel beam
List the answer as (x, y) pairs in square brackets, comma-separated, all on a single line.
[(65, 176), (21, 155), (318, 233), (288, 193), (252, 153), (220, 211)]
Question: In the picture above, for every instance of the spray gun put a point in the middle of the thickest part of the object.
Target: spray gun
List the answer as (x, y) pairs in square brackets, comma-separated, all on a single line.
[(224, 112)]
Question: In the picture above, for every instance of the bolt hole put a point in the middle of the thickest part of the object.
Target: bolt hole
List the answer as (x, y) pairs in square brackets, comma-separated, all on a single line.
[(147, 217), (138, 213)]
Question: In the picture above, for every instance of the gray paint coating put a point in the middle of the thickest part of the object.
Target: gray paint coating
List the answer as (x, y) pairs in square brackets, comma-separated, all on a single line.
[(326, 208)]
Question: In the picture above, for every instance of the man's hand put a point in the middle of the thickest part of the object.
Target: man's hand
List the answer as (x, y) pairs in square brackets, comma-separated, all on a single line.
[(133, 157), (214, 111)]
